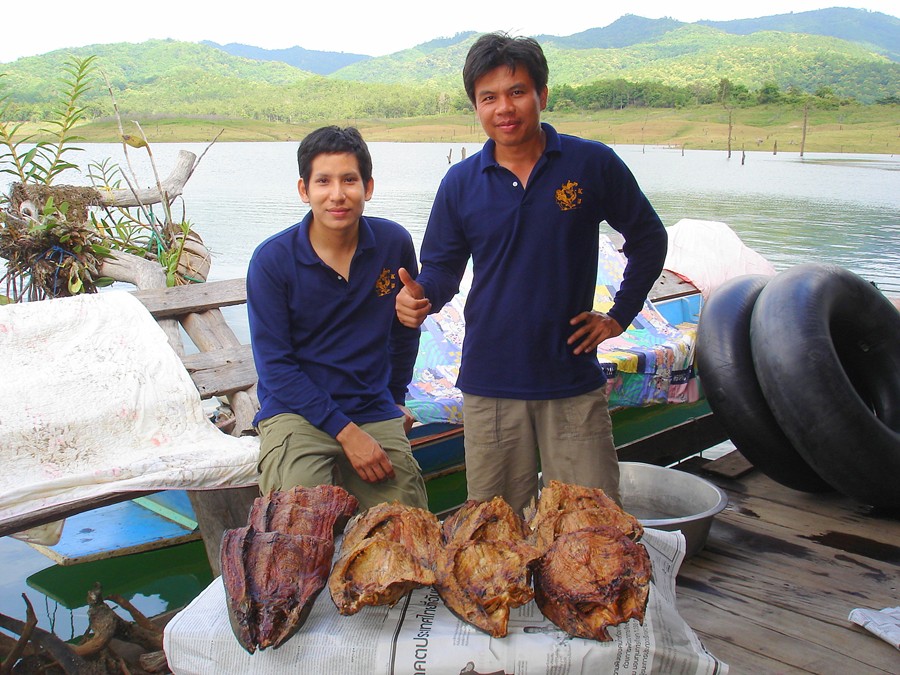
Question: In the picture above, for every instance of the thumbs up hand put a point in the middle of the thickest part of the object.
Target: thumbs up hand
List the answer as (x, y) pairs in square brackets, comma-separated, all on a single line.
[(412, 305)]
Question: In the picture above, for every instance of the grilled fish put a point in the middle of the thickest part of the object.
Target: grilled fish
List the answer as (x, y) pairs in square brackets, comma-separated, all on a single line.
[(271, 581), (591, 579), (483, 568), (387, 551), (274, 568)]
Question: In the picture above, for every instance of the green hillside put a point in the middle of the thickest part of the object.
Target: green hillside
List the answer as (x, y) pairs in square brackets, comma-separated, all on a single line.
[(699, 55), (689, 56), (164, 78), (874, 30), (168, 78)]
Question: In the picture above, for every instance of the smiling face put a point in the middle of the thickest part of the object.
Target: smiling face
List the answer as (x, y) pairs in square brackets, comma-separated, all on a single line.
[(336, 193), (509, 107)]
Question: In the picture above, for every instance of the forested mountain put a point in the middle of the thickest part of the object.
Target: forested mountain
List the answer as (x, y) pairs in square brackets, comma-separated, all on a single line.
[(321, 63), (875, 31), (880, 32), (623, 32), (164, 77), (691, 55)]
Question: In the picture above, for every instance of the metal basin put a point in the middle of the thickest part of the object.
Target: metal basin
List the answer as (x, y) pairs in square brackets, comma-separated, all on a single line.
[(668, 499)]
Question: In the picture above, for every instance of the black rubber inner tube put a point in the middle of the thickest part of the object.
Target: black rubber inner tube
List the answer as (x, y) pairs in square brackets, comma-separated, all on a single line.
[(826, 349), (726, 371)]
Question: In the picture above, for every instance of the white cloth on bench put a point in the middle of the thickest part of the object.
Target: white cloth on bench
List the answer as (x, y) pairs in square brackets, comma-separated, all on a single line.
[(94, 401)]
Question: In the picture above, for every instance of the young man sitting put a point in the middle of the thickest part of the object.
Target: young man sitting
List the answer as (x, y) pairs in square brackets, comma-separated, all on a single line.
[(332, 358)]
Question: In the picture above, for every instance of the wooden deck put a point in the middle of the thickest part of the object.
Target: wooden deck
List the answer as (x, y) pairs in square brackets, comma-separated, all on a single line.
[(780, 573)]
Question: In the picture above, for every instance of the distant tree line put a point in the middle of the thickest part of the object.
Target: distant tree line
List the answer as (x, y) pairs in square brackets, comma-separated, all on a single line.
[(189, 94), (619, 93)]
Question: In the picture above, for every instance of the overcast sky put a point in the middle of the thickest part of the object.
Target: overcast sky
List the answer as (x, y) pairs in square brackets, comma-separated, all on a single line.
[(373, 27)]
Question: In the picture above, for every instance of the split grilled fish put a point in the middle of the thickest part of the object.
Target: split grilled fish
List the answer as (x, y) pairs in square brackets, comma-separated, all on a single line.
[(272, 580), (274, 568), (591, 574), (589, 580), (483, 567), (387, 551)]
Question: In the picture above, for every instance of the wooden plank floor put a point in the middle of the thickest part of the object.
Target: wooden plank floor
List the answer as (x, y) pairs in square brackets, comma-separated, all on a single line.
[(780, 573)]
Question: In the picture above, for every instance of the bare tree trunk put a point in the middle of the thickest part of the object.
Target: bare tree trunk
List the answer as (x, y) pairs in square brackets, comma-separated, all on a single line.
[(805, 121), (730, 128)]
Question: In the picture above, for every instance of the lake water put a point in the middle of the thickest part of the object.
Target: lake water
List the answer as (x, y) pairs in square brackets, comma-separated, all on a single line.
[(835, 208), (832, 208)]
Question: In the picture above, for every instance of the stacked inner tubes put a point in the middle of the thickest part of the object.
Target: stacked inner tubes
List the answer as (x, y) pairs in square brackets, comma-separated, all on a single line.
[(803, 370)]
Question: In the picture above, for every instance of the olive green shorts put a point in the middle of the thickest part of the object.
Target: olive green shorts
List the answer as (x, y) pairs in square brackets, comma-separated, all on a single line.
[(294, 452)]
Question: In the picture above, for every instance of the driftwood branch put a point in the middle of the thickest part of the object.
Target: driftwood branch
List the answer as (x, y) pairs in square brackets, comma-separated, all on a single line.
[(96, 654), (107, 625), (65, 658), (31, 622), (172, 186)]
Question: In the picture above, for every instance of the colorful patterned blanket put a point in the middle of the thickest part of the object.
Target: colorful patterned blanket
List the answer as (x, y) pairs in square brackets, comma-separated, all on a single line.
[(650, 363)]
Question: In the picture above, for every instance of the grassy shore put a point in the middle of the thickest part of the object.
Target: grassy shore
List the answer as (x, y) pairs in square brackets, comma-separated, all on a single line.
[(853, 129)]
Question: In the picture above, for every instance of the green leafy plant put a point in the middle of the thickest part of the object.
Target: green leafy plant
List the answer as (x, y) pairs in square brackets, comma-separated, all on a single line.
[(53, 237)]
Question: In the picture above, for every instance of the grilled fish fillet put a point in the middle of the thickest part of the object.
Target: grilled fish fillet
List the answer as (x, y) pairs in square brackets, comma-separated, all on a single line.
[(591, 579), (271, 581), (483, 568), (387, 551), (274, 568)]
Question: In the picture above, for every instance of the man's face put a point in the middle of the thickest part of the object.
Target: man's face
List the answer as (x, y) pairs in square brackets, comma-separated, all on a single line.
[(509, 105), (336, 192)]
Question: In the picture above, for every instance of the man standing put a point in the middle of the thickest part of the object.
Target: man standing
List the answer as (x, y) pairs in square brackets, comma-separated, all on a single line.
[(526, 209), (333, 360)]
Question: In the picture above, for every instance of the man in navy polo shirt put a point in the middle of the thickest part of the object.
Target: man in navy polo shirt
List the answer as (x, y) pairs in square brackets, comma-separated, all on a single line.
[(527, 209), (333, 360)]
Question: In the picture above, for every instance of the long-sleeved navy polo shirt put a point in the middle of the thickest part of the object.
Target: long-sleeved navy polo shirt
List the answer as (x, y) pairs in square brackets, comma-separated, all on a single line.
[(327, 348), (534, 257)]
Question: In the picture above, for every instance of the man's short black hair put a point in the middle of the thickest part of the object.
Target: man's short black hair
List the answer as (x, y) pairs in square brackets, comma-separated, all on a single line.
[(499, 49), (330, 140)]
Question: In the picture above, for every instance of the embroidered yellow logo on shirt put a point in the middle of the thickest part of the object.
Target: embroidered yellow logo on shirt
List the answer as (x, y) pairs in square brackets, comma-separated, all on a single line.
[(386, 282), (568, 197)]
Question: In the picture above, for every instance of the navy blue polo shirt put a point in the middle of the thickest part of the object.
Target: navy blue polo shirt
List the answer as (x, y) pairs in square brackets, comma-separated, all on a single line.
[(534, 260), (328, 348)]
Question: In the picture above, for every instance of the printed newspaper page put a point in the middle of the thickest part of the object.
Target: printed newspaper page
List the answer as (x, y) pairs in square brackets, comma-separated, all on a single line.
[(419, 635)]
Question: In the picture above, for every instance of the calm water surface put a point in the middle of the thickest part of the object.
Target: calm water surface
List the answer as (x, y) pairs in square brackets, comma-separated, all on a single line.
[(828, 208), (832, 208)]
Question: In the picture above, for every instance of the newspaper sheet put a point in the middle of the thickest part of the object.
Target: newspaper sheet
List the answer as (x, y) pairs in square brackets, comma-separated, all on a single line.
[(419, 635)]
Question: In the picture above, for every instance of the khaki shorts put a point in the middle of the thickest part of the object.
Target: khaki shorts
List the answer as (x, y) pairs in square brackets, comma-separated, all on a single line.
[(508, 441), (294, 452)]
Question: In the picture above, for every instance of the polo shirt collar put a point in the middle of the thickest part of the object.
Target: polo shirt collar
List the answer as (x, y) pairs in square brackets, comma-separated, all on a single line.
[(550, 136), (306, 254)]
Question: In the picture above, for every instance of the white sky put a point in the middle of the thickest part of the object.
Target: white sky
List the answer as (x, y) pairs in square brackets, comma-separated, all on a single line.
[(373, 27)]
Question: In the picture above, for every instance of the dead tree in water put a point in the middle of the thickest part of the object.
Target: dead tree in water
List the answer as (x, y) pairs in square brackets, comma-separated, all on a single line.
[(730, 128), (805, 121)]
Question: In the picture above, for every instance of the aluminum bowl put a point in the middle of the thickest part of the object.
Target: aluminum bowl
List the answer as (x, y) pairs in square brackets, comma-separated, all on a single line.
[(668, 499)]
